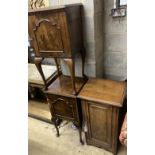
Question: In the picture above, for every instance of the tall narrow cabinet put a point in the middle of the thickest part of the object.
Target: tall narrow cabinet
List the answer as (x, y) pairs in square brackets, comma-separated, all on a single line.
[(57, 32)]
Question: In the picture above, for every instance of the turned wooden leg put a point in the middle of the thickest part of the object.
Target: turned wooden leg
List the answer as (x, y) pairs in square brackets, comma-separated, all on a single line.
[(71, 65), (80, 136), (58, 121), (54, 120), (37, 61)]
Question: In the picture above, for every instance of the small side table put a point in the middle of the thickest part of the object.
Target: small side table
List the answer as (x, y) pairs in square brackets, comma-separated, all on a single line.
[(63, 104), (101, 101)]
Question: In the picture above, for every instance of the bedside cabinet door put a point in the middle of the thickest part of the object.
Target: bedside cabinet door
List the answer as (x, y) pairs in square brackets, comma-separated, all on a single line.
[(63, 107), (99, 121)]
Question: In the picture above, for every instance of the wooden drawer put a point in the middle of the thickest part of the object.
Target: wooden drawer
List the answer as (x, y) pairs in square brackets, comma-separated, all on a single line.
[(63, 107)]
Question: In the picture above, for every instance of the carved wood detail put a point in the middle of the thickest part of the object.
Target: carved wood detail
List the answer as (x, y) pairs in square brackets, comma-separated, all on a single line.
[(46, 20), (60, 110), (48, 35), (60, 99)]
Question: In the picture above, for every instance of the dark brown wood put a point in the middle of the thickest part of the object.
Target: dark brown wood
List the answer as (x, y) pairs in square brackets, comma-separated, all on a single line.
[(83, 52), (101, 101), (104, 91), (58, 66), (71, 66), (63, 86), (63, 107), (63, 104), (57, 32)]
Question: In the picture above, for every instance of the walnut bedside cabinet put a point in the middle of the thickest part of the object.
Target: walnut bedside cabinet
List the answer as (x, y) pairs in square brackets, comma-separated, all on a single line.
[(101, 101)]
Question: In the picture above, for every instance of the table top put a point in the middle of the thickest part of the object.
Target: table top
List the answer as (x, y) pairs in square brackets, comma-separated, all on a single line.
[(63, 86), (104, 91)]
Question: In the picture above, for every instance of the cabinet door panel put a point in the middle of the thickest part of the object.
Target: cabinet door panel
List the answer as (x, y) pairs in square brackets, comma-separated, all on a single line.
[(100, 123), (49, 34), (63, 107)]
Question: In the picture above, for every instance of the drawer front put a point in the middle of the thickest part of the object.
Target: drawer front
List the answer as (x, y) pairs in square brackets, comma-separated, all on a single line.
[(101, 125), (49, 34), (63, 107)]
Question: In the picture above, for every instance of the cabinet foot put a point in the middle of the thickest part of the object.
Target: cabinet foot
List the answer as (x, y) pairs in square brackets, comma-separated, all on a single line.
[(80, 132), (57, 134), (81, 141), (55, 121), (80, 136)]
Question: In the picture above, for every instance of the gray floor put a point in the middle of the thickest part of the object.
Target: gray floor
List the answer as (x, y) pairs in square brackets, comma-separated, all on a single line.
[(43, 141)]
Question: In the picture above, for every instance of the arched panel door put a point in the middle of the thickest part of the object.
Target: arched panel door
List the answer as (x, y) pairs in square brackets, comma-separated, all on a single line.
[(63, 107), (49, 34)]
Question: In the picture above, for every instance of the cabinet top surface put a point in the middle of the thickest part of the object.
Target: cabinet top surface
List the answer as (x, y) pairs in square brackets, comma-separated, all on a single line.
[(59, 7), (104, 91), (63, 86)]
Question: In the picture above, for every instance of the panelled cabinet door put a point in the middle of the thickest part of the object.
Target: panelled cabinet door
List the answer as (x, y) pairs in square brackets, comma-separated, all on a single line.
[(49, 33), (63, 107), (99, 121)]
